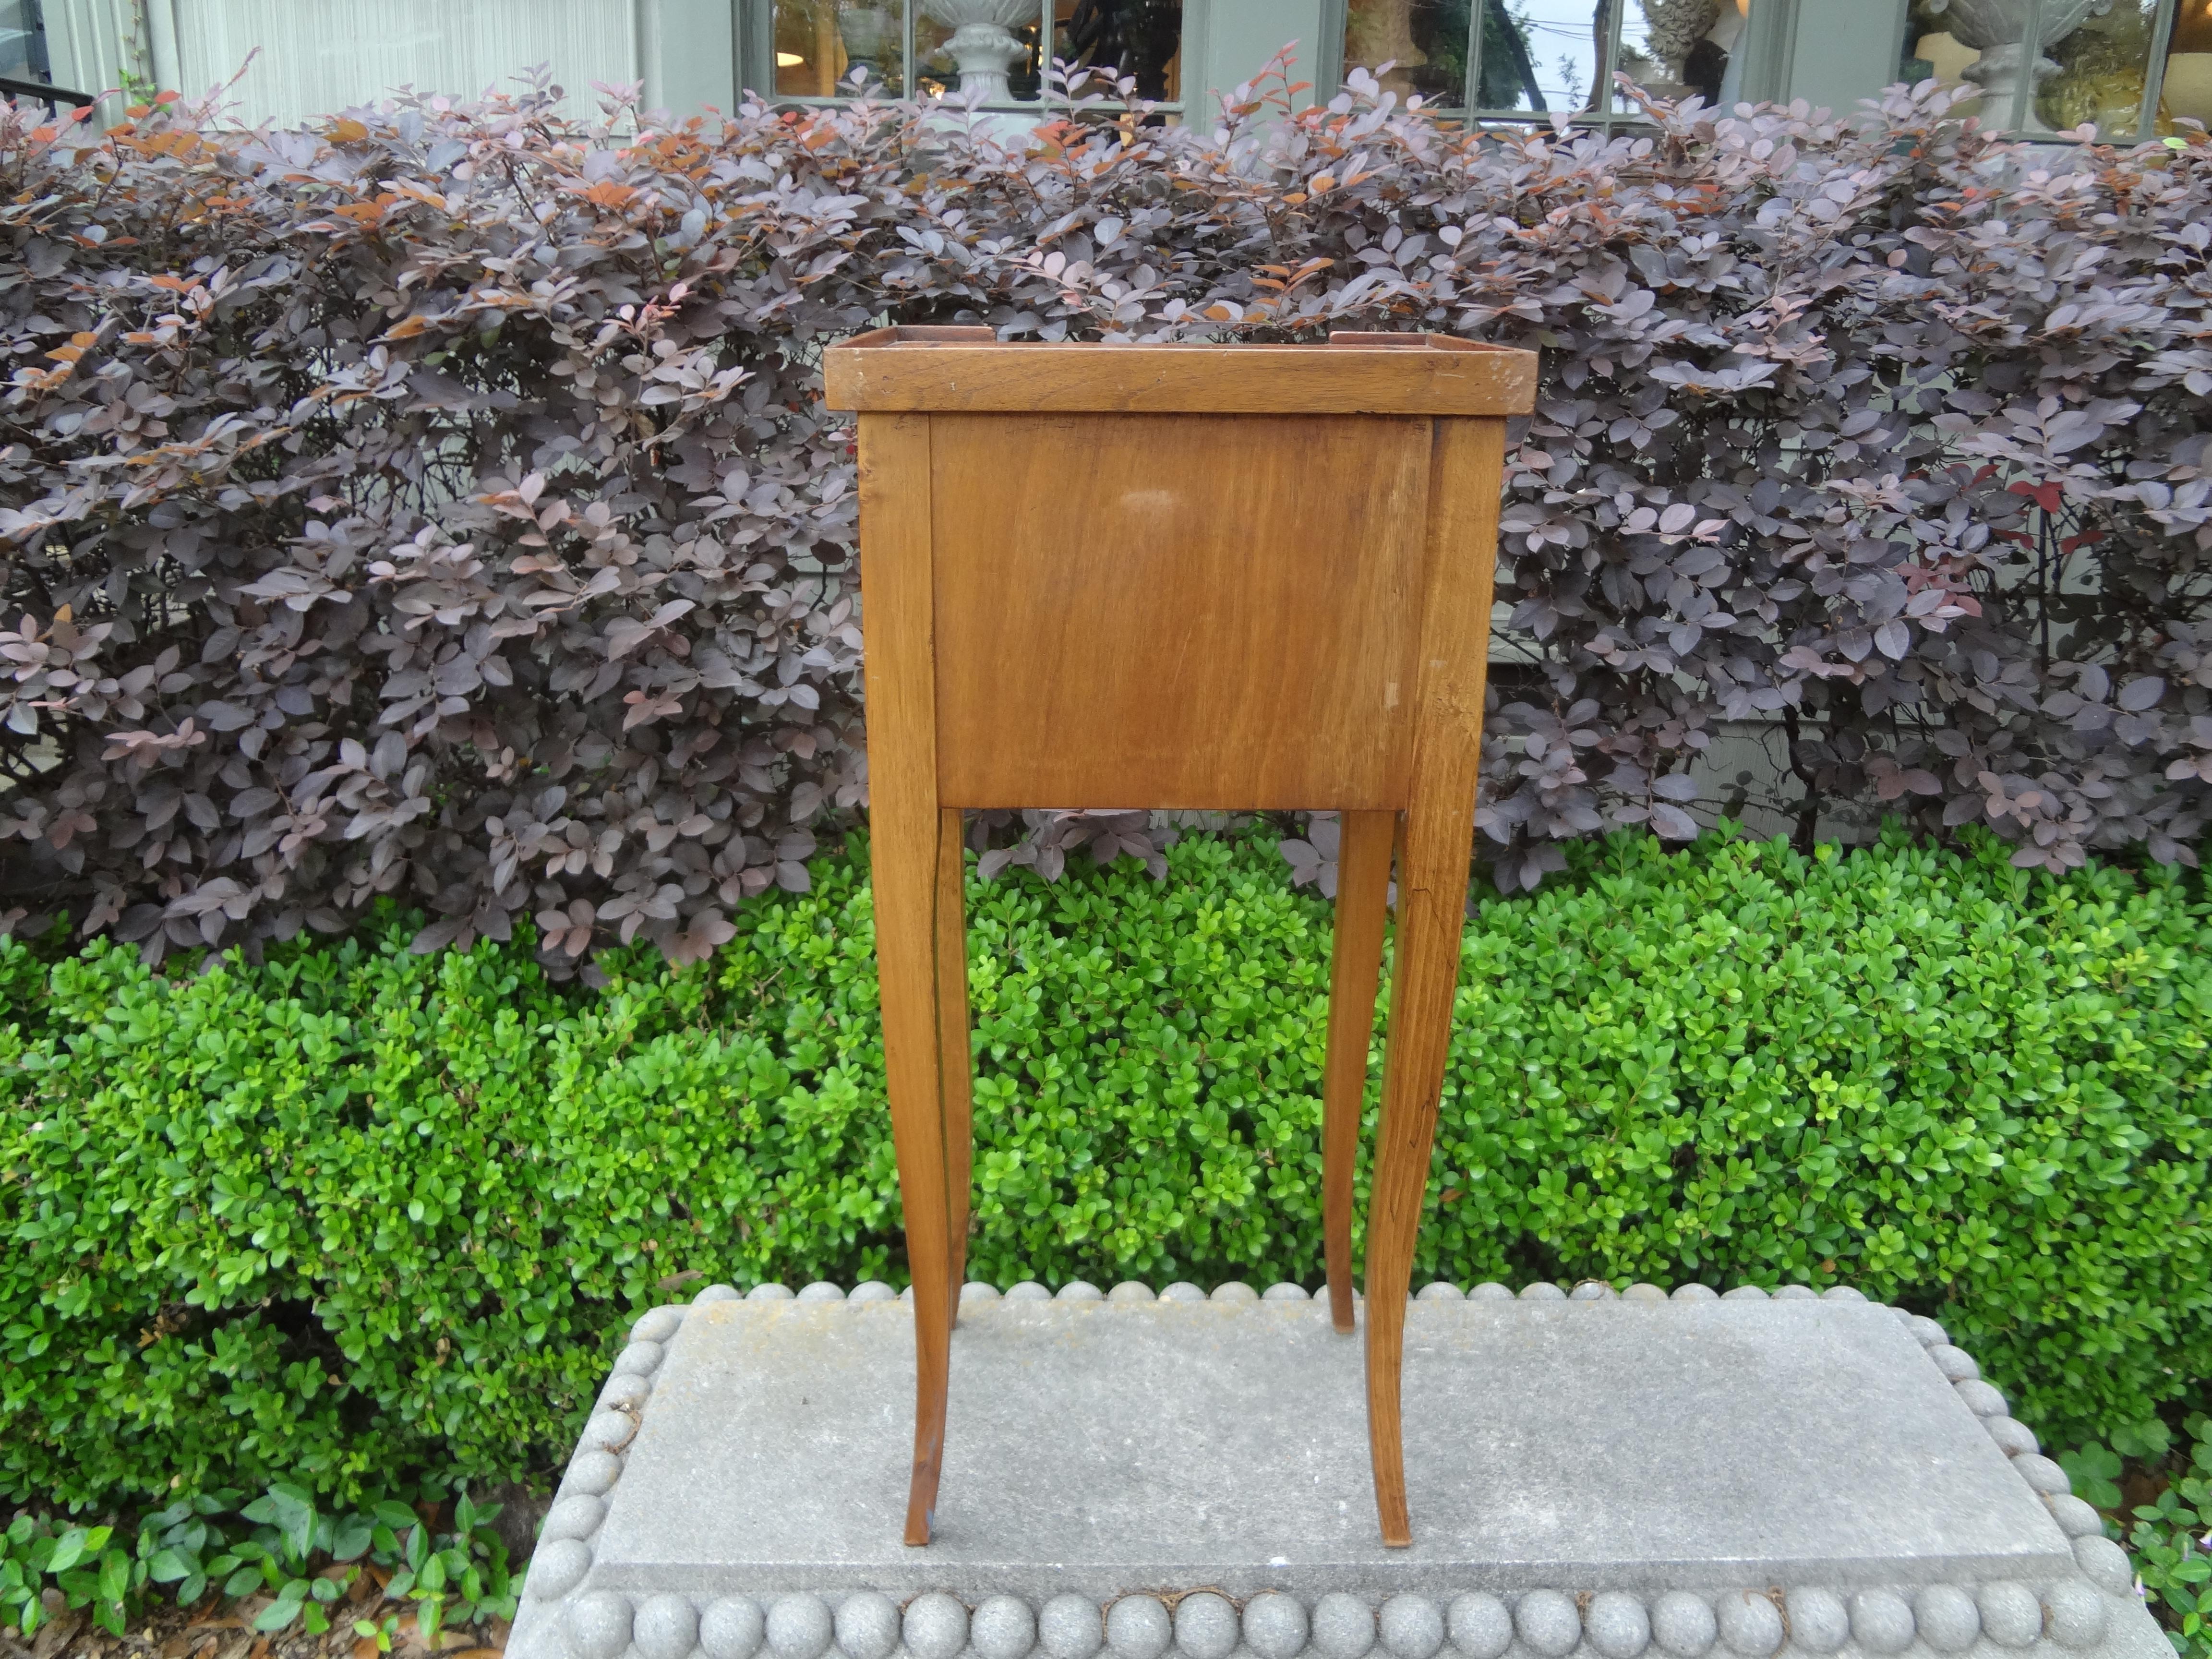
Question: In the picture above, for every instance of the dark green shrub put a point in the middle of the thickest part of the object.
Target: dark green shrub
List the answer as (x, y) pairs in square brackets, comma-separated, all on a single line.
[(356, 1212), (278, 1547)]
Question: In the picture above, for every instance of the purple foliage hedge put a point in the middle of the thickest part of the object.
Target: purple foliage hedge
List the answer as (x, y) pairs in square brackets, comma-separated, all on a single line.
[(439, 504)]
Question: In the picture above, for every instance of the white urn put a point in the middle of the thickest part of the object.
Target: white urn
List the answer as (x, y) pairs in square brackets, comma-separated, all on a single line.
[(983, 43), (1997, 29)]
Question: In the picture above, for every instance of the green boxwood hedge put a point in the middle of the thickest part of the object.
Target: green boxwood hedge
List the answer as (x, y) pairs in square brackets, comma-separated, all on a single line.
[(352, 1214)]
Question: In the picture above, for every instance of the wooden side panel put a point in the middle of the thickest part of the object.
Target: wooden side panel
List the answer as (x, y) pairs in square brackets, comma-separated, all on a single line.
[(1177, 610), (1016, 376)]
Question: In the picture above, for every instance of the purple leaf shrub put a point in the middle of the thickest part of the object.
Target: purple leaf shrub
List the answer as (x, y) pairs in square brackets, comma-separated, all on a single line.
[(440, 503)]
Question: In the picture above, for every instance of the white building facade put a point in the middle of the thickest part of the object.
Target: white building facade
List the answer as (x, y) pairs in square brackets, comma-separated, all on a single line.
[(2132, 67)]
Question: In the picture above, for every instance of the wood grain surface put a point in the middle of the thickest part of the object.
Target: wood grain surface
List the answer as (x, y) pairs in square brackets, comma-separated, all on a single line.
[(905, 859), (1364, 844), (1154, 611), (1265, 582), (1436, 848), (1417, 375)]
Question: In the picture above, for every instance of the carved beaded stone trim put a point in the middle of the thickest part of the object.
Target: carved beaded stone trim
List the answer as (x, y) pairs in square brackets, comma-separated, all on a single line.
[(565, 1617)]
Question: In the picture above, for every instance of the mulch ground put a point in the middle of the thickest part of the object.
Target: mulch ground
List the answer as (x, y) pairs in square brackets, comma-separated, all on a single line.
[(214, 1632)]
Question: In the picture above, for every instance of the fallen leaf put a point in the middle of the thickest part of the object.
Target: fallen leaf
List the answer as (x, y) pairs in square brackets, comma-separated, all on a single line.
[(55, 1634)]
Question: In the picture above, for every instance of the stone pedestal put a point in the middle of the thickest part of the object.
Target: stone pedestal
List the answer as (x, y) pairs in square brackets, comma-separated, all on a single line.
[(1601, 1478)]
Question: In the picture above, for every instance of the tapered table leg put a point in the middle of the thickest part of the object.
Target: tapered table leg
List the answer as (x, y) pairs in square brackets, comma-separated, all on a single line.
[(1363, 890), (955, 1082), (1437, 843), (1431, 898), (906, 826), (904, 855)]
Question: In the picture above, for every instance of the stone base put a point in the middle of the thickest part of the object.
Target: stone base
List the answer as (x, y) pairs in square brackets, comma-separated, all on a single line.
[(1596, 1476)]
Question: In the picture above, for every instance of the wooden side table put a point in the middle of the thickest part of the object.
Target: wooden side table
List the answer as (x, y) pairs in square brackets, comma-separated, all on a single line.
[(1197, 576)]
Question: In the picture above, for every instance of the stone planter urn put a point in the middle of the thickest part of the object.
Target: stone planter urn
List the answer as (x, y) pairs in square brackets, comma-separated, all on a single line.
[(983, 43), (1995, 28)]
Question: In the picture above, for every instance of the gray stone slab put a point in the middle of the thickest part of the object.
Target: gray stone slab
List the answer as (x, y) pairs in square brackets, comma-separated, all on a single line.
[(1095, 1446), (1822, 1476)]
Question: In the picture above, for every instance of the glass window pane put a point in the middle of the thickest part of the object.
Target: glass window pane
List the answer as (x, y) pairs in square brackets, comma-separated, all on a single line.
[(2101, 62), (1139, 38), (22, 41), (1686, 49), (818, 43), (2187, 92), (1543, 56), (2091, 69), (1932, 52), (964, 45), (1425, 41)]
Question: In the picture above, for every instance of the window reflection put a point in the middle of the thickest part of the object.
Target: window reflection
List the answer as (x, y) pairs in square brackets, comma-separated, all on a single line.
[(1546, 56), (819, 42), (988, 48), (2092, 68), (2098, 71), (1139, 38), (2187, 92), (1508, 79), (1685, 48), (1423, 41), (1543, 56), (22, 41)]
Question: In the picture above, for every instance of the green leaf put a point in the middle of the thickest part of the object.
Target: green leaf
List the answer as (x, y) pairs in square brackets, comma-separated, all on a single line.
[(277, 1614), (68, 1549), (351, 1536), (2145, 1440), (2095, 1471), (114, 1576)]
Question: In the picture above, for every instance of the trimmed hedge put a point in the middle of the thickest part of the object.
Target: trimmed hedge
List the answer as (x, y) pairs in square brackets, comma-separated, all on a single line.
[(355, 1212)]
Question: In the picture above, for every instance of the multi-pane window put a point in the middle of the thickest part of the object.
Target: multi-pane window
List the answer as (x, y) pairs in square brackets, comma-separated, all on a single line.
[(2128, 68), (2131, 68), (998, 48), (1510, 59)]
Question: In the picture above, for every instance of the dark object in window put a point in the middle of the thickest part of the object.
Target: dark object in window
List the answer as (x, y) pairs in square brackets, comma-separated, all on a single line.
[(1703, 69), (1139, 38)]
